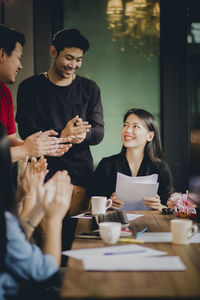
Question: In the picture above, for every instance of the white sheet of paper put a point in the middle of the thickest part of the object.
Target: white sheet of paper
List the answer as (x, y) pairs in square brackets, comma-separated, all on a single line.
[(82, 216), (132, 263), (129, 216), (163, 237), (132, 190), (114, 250), (140, 179), (132, 217)]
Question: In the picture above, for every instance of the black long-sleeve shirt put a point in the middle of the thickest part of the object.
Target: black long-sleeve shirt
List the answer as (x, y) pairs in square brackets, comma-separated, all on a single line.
[(105, 176), (42, 105)]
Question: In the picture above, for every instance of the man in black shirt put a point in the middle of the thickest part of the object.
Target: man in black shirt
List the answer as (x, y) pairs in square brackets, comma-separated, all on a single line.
[(65, 102)]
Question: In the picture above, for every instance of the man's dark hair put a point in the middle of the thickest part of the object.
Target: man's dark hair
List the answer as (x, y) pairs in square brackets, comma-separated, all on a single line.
[(70, 38), (9, 37)]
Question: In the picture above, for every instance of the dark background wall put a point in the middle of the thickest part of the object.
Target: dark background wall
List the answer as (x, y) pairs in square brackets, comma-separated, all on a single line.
[(174, 99)]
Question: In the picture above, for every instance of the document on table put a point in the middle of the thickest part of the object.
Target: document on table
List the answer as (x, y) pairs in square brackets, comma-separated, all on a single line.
[(133, 263), (133, 250), (164, 237), (82, 216), (132, 190), (130, 217)]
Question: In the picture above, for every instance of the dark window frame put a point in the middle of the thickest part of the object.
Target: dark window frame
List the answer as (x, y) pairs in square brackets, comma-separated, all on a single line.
[(174, 94)]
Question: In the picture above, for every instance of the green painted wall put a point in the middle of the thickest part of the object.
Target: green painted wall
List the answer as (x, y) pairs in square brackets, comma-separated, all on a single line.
[(126, 79)]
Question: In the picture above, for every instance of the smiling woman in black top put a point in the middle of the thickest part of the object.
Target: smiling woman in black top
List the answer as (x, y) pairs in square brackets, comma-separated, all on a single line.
[(141, 155)]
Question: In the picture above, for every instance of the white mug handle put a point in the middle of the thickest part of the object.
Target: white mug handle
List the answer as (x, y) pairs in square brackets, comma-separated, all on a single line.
[(194, 230), (108, 205)]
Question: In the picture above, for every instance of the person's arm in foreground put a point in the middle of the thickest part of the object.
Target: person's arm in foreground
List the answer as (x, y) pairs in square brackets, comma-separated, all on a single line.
[(38, 144), (30, 178), (55, 208)]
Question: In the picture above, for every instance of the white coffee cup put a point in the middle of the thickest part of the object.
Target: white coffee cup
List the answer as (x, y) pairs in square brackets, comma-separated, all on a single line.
[(100, 204), (182, 231), (110, 231)]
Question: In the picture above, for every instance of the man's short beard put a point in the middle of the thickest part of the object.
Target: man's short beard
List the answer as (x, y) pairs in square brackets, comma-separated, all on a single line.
[(60, 74)]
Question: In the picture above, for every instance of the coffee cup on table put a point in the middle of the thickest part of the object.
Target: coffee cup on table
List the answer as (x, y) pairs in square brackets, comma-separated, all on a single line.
[(100, 204), (110, 231), (182, 231)]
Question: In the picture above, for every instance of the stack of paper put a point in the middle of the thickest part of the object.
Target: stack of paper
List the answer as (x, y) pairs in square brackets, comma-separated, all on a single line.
[(132, 190), (126, 263), (130, 217), (135, 250), (126, 258)]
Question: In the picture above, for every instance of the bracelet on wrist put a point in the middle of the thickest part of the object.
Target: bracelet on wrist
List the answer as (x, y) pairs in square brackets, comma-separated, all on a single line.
[(29, 223)]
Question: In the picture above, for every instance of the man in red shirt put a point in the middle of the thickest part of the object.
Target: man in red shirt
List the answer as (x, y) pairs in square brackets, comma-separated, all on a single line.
[(40, 143)]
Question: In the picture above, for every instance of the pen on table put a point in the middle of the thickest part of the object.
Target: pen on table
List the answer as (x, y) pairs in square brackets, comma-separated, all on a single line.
[(124, 252), (141, 232), (130, 241)]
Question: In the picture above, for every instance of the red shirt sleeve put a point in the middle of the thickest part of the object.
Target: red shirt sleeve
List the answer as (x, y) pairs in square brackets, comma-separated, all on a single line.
[(6, 110)]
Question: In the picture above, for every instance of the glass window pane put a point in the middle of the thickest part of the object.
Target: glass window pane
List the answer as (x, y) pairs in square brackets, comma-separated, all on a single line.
[(123, 59)]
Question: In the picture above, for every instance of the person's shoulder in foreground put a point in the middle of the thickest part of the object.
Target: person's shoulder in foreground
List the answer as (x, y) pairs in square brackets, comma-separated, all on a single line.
[(30, 264)]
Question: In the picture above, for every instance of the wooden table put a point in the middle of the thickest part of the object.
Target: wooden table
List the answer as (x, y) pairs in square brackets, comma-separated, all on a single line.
[(80, 284)]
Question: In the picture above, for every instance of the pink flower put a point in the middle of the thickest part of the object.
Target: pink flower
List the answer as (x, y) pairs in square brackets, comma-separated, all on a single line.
[(181, 204), (173, 200)]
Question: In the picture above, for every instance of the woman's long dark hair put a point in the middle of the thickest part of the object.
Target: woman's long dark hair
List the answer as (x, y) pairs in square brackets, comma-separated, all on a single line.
[(7, 194), (153, 148)]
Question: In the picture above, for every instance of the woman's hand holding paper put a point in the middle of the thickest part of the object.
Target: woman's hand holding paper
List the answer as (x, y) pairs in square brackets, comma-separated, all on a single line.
[(154, 202), (116, 203)]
